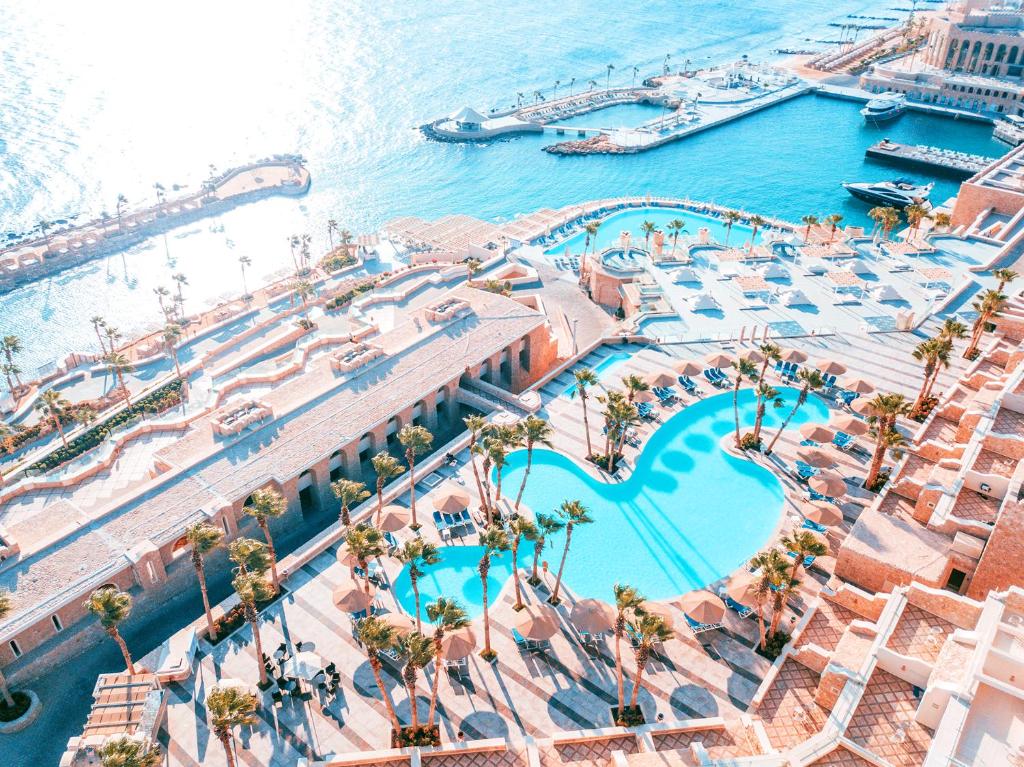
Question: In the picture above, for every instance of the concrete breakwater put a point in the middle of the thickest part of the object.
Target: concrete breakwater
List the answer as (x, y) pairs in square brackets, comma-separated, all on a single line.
[(42, 256)]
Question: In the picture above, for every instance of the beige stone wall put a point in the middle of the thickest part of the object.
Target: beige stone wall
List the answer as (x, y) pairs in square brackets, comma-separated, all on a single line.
[(865, 603), (972, 199), (1002, 562), (958, 610)]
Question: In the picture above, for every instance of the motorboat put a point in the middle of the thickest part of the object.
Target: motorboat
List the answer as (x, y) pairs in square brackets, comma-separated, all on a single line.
[(898, 193), (1010, 129), (886, 107)]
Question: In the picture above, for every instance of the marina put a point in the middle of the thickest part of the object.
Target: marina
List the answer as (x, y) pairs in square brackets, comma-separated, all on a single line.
[(931, 158)]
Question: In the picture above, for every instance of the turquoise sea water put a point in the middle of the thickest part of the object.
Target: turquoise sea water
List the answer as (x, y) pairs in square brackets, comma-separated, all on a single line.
[(688, 515), (90, 109)]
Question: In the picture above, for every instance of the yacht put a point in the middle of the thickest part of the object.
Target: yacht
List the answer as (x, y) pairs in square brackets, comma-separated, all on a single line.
[(886, 107), (898, 193), (1010, 129)]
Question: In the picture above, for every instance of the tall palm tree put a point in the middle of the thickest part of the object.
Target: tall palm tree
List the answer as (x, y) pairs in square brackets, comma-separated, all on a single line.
[(376, 637), (119, 208), (349, 492), (128, 752), (765, 393), (417, 554), (885, 410), (161, 293), (332, 227), (97, 323), (915, 214), (585, 378), (574, 513), (803, 543), (386, 467), (171, 335), (756, 222), (477, 427), (447, 616), (182, 280), (118, 365), (547, 525), (1005, 277), (731, 217), (876, 214), (230, 707), (811, 380), (203, 538), (500, 441), (304, 290), (267, 504), (677, 226), (494, 540), (534, 431), (808, 221), (418, 651), (243, 262), (772, 573), (627, 600), (634, 384), (53, 406), (365, 542), (744, 369), (648, 630), (988, 306), (5, 608), (519, 528), (591, 229), (608, 78), (416, 440), (251, 589), (10, 346), (933, 353), (951, 330), (890, 218), (249, 555), (111, 606), (647, 227), (473, 266), (833, 220)]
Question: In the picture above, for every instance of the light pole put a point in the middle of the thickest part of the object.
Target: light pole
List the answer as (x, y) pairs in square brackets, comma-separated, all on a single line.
[(575, 349)]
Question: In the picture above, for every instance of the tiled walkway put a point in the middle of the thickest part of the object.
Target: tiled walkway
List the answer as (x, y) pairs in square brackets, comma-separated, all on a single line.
[(884, 721), (827, 625), (920, 634), (789, 712), (842, 757)]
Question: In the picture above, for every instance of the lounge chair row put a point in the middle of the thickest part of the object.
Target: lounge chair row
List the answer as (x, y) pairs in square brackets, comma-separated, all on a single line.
[(716, 377), (456, 523), (529, 644), (689, 385)]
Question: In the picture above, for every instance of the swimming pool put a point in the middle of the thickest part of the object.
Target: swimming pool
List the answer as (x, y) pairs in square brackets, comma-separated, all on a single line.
[(602, 368), (633, 218), (456, 577)]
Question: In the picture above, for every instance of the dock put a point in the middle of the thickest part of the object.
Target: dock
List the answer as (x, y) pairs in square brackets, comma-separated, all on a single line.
[(931, 158)]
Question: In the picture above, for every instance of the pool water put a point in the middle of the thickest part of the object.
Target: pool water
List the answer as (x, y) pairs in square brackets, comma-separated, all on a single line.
[(456, 577), (603, 369)]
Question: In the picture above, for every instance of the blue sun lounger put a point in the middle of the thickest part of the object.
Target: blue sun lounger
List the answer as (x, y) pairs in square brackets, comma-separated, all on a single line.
[(808, 560), (645, 410), (843, 441), (810, 524), (665, 393), (742, 610), (804, 471), (700, 628), (688, 384)]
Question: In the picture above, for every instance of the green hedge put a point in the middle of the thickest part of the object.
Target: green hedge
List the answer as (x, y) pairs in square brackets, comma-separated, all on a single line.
[(338, 262), (167, 396)]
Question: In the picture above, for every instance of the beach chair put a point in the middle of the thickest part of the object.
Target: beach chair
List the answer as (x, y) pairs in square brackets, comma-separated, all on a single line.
[(522, 641), (644, 410), (808, 560), (467, 520), (453, 522), (710, 376), (688, 384), (700, 628), (742, 610), (391, 541), (810, 524), (665, 394), (846, 397), (830, 382), (843, 441), (722, 377), (804, 471)]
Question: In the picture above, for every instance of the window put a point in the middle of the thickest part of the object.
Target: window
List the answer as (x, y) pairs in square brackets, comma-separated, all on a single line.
[(15, 649), (57, 625)]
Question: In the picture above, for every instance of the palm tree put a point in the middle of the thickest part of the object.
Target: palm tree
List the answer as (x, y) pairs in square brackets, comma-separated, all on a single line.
[(591, 230), (267, 504), (885, 409), (250, 555), (833, 220), (251, 589), (332, 227), (304, 290), (171, 335), (128, 752), (608, 79), (812, 381), (121, 202), (534, 431), (386, 467), (53, 406), (547, 525), (1005, 276), (771, 568), (519, 528), (349, 492), (574, 513), (376, 637), (118, 365), (10, 346), (876, 214), (494, 540), (634, 384), (111, 606), (647, 227), (648, 630), (161, 293), (472, 268), (627, 599), (182, 280), (988, 307), (765, 393), (951, 331), (932, 353), (677, 226), (808, 221), (477, 426), (731, 217), (416, 440), (230, 707), (914, 214), (418, 651), (417, 554), (5, 609), (243, 262), (756, 222), (365, 542), (499, 442), (744, 369), (941, 220), (446, 615), (98, 322), (585, 378), (203, 538), (803, 543), (890, 218)]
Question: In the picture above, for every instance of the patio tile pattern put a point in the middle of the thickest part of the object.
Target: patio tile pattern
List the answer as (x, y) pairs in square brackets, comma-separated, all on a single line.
[(789, 712), (884, 722), (919, 633), (827, 625), (842, 757)]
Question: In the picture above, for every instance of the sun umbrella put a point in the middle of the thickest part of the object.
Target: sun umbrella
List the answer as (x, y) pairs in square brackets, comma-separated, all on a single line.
[(592, 616), (688, 368), (346, 557), (822, 512), (660, 378), (862, 407), (666, 611), (458, 644), (645, 396), (400, 622), (537, 621), (827, 483), (351, 596), (849, 424), (858, 385), (753, 355), (742, 588), (815, 432), (394, 518), (703, 607), (830, 367), (302, 665), (718, 360), (793, 355), (451, 498), (819, 459)]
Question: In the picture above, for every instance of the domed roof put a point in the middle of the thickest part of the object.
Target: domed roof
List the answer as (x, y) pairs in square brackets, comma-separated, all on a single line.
[(467, 115)]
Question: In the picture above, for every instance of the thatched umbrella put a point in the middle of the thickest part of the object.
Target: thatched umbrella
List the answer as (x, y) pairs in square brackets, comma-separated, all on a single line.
[(827, 483), (863, 407), (849, 424), (815, 432), (688, 368), (351, 596), (660, 379), (400, 622), (742, 589), (822, 512), (793, 355), (451, 498), (537, 621), (592, 616), (393, 518), (830, 367), (718, 360), (858, 385), (458, 644), (703, 606), (819, 459)]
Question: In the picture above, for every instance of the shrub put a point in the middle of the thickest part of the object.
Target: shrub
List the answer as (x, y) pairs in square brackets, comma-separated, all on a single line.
[(631, 716), (233, 619), (600, 460), (750, 442), (923, 410), (774, 645), (338, 261), (883, 477), (21, 705), (424, 735)]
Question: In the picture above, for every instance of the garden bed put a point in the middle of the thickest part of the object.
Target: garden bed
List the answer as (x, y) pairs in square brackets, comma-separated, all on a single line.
[(632, 716), (22, 703), (234, 619), (424, 735), (774, 645)]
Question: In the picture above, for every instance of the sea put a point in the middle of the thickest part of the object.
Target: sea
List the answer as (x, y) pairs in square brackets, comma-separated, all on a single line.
[(101, 101)]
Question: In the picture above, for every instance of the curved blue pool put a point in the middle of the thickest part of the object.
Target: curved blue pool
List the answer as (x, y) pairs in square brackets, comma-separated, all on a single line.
[(456, 577), (689, 514)]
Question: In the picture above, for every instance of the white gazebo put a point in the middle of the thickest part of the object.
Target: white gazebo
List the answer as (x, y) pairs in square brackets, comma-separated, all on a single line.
[(702, 302), (467, 119), (795, 298), (685, 274)]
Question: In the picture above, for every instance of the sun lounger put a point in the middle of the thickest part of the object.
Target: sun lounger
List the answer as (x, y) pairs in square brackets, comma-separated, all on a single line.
[(688, 384), (645, 410), (843, 441), (804, 471), (722, 377), (700, 628), (665, 393), (808, 560), (467, 520), (812, 525), (846, 397), (742, 610)]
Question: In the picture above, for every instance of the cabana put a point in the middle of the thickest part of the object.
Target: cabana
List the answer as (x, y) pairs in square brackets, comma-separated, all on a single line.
[(886, 293), (773, 271), (795, 298), (685, 274), (702, 302)]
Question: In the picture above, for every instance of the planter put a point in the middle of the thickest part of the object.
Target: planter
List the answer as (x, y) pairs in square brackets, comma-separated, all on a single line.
[(29, 708), (424, 735), (632, 716), (774, 646)]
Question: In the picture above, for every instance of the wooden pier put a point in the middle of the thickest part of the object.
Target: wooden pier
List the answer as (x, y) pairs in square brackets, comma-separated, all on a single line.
[(934, 159)]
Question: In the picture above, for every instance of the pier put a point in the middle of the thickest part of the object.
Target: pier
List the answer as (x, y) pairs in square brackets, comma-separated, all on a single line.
[(51, 252), (931, 158)]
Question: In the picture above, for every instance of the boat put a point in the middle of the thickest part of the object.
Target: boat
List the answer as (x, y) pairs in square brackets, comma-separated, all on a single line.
[(1010, 129), (898, 193), (886, 107)]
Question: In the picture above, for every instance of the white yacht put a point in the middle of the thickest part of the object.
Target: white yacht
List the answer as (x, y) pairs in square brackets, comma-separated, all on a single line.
[(898, 193), (1010, 129), (887, 106)]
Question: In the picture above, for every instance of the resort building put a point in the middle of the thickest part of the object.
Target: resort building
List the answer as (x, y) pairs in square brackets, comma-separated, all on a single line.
[(992, 201)]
